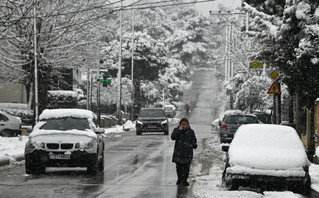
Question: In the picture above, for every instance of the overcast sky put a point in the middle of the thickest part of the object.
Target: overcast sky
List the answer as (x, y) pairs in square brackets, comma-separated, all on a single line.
[(214, 6)]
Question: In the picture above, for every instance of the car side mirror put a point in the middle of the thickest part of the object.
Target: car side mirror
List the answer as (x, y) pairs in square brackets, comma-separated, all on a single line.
[(225, 148), (135, 117), (99, 130)]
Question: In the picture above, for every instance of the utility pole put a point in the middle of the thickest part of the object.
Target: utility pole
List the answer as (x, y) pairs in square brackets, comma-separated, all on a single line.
[(98, 99), (36, 100), (88, 89), (132, 69), (119, 73)]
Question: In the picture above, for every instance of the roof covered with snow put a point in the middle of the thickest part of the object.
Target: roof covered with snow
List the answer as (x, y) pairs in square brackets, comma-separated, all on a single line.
[(60, 113)]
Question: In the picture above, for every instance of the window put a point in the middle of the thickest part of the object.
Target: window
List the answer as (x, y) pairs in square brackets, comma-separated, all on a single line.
[(152, 113), (3, 118), (67, 123)]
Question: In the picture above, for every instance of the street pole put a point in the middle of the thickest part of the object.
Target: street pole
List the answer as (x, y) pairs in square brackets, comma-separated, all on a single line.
[(36, 104), (88, 89), (98, 99), (132, 69), (119, 73)]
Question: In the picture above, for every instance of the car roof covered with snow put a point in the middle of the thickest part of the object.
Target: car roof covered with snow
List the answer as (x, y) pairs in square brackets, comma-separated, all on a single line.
[(267, 146), (60, 113)]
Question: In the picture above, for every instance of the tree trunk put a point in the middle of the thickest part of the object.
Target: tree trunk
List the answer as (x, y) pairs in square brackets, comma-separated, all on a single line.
[(300, 116)]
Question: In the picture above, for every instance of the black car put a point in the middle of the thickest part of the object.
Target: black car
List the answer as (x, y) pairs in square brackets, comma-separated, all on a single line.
[(152, 120), (232, 122)]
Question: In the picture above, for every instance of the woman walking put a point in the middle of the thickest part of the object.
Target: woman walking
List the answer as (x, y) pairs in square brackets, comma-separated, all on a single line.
[(185, 142)]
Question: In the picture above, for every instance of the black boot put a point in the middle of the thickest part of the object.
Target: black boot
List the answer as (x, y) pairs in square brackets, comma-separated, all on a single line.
[(185, 183), (179, 182)]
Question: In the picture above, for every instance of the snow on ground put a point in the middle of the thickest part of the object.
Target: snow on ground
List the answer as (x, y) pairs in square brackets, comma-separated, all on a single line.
[(12, 148)]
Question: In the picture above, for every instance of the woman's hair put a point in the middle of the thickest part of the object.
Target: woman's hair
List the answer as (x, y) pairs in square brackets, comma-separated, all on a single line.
[(184, 120)]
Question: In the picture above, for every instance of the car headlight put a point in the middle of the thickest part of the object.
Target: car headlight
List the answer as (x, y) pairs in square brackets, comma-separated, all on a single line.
[(82, 145), (164, 122), (36, 145), (139, 122)]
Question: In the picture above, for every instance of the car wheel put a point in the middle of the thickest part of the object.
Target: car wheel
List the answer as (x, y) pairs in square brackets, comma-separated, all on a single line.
[(28, 166), (6, 133), (101, 163), (138, 133), (233, 185), (166, 132), (92, 170), (304, 188)]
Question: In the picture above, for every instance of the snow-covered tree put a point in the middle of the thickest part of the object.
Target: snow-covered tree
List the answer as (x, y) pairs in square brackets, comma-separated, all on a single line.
[(288, 34)]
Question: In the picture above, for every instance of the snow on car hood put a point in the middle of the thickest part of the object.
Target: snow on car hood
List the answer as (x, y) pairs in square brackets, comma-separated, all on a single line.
[(57, 133), (267, 147)]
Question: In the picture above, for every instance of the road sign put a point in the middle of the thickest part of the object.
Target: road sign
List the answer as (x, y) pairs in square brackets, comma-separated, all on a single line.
[(274, 75), (258, 65), (274, 89)]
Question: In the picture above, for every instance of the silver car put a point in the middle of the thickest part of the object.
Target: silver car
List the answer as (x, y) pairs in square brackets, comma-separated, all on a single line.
[(65, 137), (9, 125)]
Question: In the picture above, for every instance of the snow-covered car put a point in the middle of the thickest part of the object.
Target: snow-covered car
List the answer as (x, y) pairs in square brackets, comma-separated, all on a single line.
[(170, 110), (9, 125), (65, 137), (152, 120), (267, 155)]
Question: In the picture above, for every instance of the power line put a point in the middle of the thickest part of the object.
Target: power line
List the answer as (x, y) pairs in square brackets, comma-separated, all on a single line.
[(128, 7)]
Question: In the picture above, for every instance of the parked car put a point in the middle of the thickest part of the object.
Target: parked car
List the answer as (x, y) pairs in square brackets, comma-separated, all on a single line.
[(152, 120), (65, 137), (170, 110), (232, 122), (269, 156), (9, 125), (215, 124)]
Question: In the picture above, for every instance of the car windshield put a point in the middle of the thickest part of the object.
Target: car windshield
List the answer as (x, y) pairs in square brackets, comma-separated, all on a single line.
[(168, 108), (66, 123), (152, 113), (240, 119)]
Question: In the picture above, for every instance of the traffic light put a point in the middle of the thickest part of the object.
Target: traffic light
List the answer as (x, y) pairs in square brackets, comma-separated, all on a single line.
[(106, 81)]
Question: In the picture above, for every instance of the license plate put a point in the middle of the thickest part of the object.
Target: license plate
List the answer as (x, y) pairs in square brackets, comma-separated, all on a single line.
[(151, 126), (59, 156)]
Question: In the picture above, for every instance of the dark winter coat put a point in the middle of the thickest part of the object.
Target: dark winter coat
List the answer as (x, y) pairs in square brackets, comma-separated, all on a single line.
[(185, 142)]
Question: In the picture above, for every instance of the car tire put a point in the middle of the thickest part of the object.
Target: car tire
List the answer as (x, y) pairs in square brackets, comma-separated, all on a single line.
[(101, 163), (304, 188), (233, 186), (29, 167), (6, 133), (166, 132), (92, 170), (138, 133)]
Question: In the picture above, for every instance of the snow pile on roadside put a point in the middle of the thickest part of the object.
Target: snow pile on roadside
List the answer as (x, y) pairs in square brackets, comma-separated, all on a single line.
[(314, 174), (12, 148), (128, 126)]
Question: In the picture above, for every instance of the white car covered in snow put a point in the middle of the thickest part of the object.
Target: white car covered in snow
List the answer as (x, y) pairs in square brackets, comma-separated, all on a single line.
[(269, 156), (65, 137)]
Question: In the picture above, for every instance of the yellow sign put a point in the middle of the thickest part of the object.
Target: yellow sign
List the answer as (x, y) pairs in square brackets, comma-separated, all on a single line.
[(258, 65), (274, 75), (274, 89)]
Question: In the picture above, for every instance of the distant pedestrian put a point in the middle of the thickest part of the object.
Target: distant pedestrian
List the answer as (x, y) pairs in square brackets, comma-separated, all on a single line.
[(187, 107), (185, 142)]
